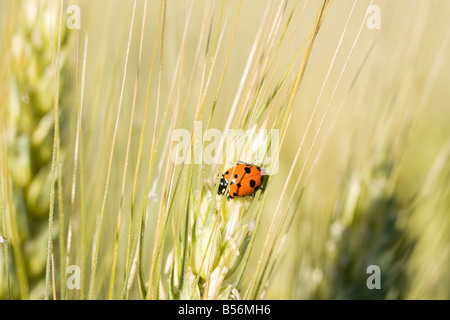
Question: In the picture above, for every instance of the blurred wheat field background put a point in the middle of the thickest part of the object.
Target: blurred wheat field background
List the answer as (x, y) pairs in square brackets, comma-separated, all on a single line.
[(93, 207)]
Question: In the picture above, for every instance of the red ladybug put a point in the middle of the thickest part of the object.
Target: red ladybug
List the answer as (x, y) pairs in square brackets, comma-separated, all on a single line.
[(242, 180)]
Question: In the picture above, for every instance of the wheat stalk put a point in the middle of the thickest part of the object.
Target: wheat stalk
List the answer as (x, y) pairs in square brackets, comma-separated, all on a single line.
[(29, 137)]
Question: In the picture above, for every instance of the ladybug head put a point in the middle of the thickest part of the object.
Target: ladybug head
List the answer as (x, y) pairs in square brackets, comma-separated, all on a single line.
[(222, 186)]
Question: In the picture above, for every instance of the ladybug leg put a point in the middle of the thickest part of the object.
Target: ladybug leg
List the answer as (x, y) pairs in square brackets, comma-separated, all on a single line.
[(228, 195), (252, 196)]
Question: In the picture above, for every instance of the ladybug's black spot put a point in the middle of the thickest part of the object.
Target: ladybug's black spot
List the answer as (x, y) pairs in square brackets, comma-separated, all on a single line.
[(234, 194), (227, 172), (258, 168), (238, 185), (247, 169), (252, 183), (235, 176)]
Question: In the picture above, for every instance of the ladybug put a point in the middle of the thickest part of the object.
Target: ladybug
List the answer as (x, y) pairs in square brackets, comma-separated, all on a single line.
[(242, 180)]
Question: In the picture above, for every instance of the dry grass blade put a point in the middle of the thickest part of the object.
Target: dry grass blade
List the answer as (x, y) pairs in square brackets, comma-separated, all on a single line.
[(100, 217), (127, 153), (55, 158), (294, 191), (251, 292), (78, 156), (163, 196)]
